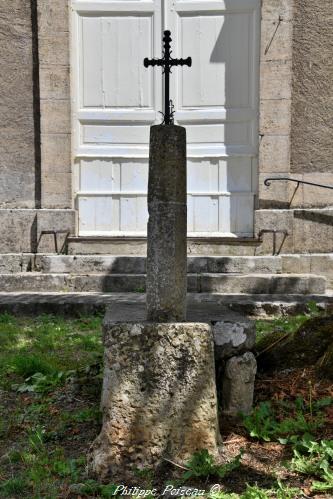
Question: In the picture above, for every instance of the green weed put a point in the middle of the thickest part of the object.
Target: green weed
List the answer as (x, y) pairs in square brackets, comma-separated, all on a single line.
[(84, 416), (38, 356), (222, 495), (283, 491), (13, 486), (6, 319), (267, 423), (254, 492), (14, 456), (91, 487), (35, 412), (279, 491), (26, 365), (44, 468), (202, 464), (316, 459), (41, 383)]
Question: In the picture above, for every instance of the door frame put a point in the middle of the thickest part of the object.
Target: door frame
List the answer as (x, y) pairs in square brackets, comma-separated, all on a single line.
[(271, 103)]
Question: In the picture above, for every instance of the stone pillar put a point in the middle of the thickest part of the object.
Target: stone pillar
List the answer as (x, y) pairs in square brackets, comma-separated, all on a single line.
[(159, 396), (167, 225)]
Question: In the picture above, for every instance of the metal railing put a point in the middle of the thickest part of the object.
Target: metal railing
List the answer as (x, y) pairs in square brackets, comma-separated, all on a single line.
[(268, 181)]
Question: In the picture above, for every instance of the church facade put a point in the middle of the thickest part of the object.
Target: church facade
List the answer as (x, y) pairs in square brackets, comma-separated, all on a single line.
[(77, 104)]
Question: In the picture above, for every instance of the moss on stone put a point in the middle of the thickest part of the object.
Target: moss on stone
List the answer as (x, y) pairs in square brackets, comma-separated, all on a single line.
[(269, 339), (301, 348)]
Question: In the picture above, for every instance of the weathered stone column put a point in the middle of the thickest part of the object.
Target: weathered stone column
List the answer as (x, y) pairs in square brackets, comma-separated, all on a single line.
[(167, 225)]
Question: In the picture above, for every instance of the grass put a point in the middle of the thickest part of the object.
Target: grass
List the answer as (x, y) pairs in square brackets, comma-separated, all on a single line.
[(285, 324), (42, 363), (47, 345), (50, 383)]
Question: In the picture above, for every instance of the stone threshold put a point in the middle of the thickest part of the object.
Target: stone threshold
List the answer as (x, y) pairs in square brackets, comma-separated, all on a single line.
[(134, 239)]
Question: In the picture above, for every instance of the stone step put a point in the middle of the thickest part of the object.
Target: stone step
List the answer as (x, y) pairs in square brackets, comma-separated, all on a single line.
[(204, 282), (107, 264), (129, 305), (318, 264), (138, 245), (82, 264), (261, 283)]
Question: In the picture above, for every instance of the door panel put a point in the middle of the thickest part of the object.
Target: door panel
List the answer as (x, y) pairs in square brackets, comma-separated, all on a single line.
[(217, 100), (216, 41)]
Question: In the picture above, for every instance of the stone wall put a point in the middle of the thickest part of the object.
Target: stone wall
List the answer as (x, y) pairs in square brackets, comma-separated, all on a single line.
[(54, 71), (19, 172), (275, 100), (296, 125), (296, 111), (312, 99)]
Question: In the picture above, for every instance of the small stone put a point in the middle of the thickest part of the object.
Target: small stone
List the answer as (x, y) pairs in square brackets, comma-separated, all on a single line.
[(233, 336), (135, 330), (238, 384)]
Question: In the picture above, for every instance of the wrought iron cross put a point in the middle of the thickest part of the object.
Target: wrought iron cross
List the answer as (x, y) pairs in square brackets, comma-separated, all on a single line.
[(167, 62)]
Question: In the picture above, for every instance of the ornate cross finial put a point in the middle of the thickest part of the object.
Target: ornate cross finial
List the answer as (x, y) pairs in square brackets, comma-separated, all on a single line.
[(167, 62)]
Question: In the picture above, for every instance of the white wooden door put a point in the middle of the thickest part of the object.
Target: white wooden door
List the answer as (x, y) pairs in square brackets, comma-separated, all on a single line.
[(115, 100)]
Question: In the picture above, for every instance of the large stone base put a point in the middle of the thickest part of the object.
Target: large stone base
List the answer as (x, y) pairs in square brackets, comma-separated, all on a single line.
[(159, 396)]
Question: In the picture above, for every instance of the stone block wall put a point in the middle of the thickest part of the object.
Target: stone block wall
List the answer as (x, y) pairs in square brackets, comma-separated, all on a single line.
[(17, 131), (54, 74), (21, 229), (296, 102), (275, 100), (296, 125), (35, 133), (312, 104)]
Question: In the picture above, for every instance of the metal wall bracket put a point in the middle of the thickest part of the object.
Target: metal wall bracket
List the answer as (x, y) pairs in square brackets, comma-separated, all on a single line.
[(63, 249), (274, 232)]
